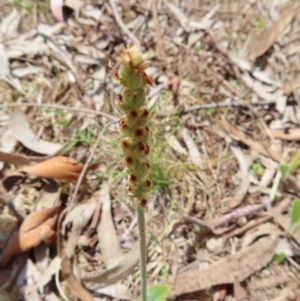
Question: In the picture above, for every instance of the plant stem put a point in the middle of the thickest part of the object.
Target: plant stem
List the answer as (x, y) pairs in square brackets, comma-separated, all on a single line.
[(143, 250)]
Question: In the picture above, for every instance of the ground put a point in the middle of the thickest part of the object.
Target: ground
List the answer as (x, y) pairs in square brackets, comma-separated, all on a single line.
[(223, 215)]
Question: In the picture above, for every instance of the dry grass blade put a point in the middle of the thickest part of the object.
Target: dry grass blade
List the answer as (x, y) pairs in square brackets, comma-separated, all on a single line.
[(268, 37)]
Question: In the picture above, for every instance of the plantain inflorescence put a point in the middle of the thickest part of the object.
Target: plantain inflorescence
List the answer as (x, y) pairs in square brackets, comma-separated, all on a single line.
[(134, 124)]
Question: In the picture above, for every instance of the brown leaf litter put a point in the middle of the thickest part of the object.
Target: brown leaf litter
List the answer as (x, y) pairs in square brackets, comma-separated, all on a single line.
[(222, 175)]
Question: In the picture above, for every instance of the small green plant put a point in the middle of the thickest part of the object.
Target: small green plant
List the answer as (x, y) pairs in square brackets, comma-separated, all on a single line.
[(198, 49), (287, 169), (158, 293), (280, 257), (84, 136), (259, 24), (25, 4), (256, 168), (164, 272), (295, 216)]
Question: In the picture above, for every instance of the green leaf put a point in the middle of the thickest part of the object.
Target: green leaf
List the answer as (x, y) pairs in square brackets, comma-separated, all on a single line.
[(280, 257), (256, 167), (154, 238), (295, 218), (196, 228), (157, 293), (164, 271), (284, 170), (294, 163), (259, 24), (198, 49)]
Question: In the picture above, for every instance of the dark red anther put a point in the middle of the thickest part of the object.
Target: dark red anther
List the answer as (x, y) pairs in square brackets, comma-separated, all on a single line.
[(147, 183), (123, 125), (120, 98), (132, 178), (143, 202), (116, 74), (149, 80), (139, 133), (133, 114), (129, 189), (128, 160)]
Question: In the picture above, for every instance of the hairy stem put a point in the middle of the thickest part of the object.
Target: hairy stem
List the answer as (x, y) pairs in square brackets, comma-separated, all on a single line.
[(143, 250)]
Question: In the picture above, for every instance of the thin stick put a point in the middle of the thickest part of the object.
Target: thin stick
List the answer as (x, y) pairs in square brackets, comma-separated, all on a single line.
[(226, 104), (121, 23), (88, 161), (56, 107), (158, 32), (143, 250)]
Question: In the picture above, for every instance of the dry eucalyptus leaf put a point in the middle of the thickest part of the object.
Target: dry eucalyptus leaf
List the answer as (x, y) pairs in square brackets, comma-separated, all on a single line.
[(5, 72), (239, 195), (74, 285), (235, 267), (124, 268), (79, 218), (269, 36), (108, 239), (21, 130), (10, 23)]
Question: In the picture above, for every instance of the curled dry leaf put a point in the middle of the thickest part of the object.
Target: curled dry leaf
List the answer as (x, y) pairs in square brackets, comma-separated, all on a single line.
[(36, 228), (23, 133), (244, 182), (74, 285), (79, 217), (269, 36), (62, 168), (35, 219)]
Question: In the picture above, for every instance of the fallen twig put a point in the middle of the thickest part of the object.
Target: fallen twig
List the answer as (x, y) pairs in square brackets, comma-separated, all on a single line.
[(227, 103), (121, 23), (56, 107), (88, 161), (160, 42)]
